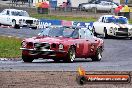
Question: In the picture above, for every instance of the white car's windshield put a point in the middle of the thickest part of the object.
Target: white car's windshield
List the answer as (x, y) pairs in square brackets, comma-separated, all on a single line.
[(120, 20), (19, 13)]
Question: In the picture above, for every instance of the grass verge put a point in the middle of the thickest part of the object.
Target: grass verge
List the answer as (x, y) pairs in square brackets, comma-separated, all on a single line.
[(10, 47), (69, 18)]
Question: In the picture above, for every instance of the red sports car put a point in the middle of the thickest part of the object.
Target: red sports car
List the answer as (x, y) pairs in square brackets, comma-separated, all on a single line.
[(63, 43)]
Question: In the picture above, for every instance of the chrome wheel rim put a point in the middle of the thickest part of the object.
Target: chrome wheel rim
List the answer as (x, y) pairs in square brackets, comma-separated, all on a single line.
[(72, 56), (99, 56), (104, 34), (13, 23)]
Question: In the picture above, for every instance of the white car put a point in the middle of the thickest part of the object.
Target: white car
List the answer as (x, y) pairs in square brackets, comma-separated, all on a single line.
[(17, 18), (110, 25), (101, 6)]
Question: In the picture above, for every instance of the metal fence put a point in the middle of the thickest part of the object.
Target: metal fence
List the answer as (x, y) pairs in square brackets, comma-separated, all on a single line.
[(70, 11)]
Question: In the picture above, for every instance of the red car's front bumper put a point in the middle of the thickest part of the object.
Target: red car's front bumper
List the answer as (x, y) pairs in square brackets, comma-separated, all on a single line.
[(45, 53)]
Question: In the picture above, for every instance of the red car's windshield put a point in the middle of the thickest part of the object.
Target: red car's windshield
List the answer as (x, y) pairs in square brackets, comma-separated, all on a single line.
[(60, 32)]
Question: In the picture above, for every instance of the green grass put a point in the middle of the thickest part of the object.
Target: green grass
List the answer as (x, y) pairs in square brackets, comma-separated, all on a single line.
[(10, 47), (69, 18), (130, 21)]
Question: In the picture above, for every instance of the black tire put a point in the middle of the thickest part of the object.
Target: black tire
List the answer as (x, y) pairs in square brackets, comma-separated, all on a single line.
[(0, 24), (71, 55), (130, 38), (34, 27), (27, 59), (56, 60), (15, 25), (105, 33), (83, 9), (93, 30), (98, 55), (81, 80)]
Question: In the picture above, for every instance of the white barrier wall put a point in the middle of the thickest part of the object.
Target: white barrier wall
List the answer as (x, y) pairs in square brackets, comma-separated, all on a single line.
[(75, 3)]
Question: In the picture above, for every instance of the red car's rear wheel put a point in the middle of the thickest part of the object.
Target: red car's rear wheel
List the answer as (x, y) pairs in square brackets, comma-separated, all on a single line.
[(98, 55)]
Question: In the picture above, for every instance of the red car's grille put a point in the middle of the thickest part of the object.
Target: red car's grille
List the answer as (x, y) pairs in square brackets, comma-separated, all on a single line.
[(42, 45)]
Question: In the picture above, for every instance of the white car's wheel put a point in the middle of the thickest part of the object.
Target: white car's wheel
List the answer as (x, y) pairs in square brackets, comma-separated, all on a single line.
[(93, 30), (15, 25), (83, 8), (105, 34), (34, 27)]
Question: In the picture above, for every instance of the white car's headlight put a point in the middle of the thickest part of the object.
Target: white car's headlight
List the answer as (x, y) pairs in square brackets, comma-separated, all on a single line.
[(111, 28), (61, 46)]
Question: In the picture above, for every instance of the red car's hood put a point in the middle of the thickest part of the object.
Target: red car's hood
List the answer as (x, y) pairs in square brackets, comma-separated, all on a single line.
[(48, 39)]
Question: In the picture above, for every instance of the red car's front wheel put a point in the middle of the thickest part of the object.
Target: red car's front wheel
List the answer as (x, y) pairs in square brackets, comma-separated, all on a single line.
[(71, 55), (98, 55), (27, 59)]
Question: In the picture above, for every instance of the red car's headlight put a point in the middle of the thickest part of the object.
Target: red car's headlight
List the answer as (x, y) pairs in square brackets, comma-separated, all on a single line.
[(23, 44), (61, 46), (27, 45)]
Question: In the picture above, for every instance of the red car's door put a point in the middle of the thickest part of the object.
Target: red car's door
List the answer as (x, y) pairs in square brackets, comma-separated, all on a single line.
[(79, 47), (82, 44), (82, 47), (86, 47)]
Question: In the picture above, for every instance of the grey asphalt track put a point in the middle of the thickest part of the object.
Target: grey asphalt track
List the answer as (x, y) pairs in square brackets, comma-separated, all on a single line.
[(117, 56)]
